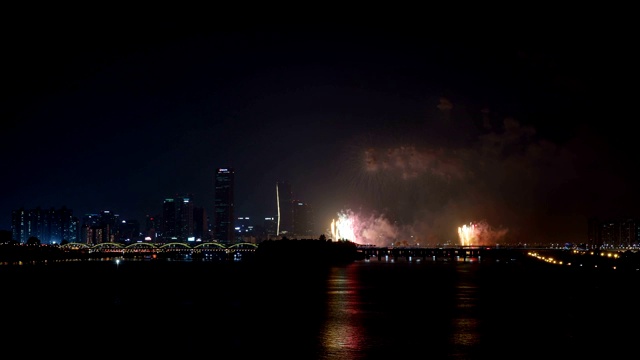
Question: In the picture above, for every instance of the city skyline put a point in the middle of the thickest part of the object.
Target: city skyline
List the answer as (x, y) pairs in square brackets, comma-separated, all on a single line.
[(180, 219), (411, 133)]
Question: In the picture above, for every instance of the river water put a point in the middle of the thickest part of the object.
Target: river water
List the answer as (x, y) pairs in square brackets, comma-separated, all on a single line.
[(374, 309)]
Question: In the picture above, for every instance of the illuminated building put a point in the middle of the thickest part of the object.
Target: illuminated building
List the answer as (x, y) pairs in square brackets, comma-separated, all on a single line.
[(99, 227), (613, 232), (200, 224), (245, 230), (223, 204), (284, 203), (302, 220), (177, 219), (269, 227), (153, 228), (50, 226), (129, 230)]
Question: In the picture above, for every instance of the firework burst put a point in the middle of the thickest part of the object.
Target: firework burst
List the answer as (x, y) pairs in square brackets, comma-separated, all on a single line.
[(479, 233), (372, 230)]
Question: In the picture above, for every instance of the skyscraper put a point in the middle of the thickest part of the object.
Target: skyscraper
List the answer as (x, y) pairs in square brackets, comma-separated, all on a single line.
[(269, 227), (223, 198), (50, 226), (152, 228), (284, 203), (302, 220), (177, 217), (200, 224)]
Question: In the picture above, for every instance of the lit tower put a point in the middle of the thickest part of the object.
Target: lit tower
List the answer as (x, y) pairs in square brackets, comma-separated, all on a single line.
[(284, 203), (177, 216), (223, 215), (302, 220)]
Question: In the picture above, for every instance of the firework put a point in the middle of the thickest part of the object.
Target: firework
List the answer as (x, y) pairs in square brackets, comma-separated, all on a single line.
[(479, 233), (372, 230), (342, 228), (468, 234)]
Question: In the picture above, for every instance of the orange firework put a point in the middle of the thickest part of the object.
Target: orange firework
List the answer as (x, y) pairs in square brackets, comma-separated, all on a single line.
[(467, 234)]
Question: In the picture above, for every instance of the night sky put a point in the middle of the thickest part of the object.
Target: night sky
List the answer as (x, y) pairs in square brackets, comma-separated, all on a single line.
[(528, 135)]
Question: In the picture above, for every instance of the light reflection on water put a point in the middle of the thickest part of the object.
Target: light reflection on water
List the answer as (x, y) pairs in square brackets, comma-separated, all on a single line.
[(343, 334), (410, 318), (365, 310), (464, 334)]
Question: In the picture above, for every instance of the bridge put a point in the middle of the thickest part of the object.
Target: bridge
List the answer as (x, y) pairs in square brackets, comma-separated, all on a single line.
[(461, 253), (613, 259), (206, 250), (215, 250), (617, 258)]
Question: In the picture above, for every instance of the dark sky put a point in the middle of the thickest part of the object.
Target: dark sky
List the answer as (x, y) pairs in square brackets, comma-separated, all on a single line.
[(528, 135)]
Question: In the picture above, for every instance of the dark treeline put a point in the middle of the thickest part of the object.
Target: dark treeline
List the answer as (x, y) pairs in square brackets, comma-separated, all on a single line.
[(32, 250), (308, 250)]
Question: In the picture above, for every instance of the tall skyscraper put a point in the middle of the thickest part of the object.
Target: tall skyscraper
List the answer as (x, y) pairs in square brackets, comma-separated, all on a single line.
[(302, 220), (200, 224), (107, 226), (129, 231), (284, 203), (110, 222), (269, 227), (169, 226), (245, 229), (177, 217), (93, 231), (223, 198), (153, 228), (50, 226)]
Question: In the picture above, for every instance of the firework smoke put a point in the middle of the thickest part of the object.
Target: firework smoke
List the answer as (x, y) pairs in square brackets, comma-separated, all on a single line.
[(410, 162), (485, 167), (372, 230), (479, 234)]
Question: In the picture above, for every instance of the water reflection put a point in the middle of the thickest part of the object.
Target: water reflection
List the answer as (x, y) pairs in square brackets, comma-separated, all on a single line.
[(343, 333), (465, 332)]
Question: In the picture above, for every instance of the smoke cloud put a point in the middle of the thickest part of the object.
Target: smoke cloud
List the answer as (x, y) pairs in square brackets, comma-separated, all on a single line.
[(501, 179)]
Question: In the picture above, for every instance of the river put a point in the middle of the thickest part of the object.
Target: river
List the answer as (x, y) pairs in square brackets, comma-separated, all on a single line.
[(373, 309)]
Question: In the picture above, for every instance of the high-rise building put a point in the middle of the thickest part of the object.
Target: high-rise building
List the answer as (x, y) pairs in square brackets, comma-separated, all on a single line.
[(245, 230), (302, 220), (613, 232), (186, 228), (284, 203), (129, 231), (51, 226), (200, 224), (110, 222), (223, 203), (177, 216), (92, 229), (269, 227), (169, 226), (152, 228), (102, 227)]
